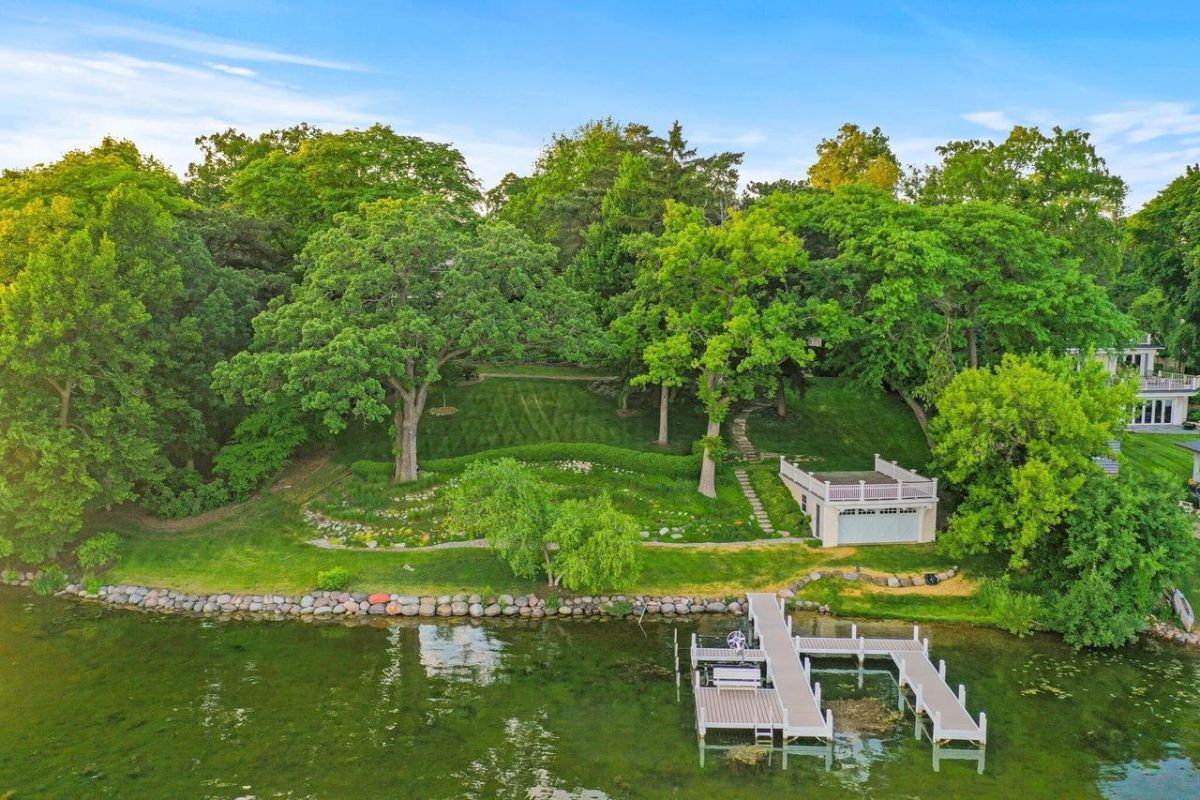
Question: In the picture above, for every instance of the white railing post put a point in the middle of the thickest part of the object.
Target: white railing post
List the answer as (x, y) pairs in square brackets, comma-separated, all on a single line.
[(942, 668), (862, 649), (827, 492), (808, 667), (877, 469), (853, 630), (937, 725), (925, 646), (901, 680), (829, 722), (916, 632), (817, 693), (786, 723), (962, 695), (862, 490), (982, 727)]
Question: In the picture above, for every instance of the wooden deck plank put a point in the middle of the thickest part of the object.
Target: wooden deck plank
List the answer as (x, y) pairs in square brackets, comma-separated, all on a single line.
[(791, 683)]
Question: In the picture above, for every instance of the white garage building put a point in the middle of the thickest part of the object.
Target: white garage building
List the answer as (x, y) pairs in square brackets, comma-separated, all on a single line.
[(886, 505)]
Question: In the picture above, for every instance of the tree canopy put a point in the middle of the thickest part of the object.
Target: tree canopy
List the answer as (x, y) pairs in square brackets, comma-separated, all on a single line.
[(855, 156), (1059, 180)]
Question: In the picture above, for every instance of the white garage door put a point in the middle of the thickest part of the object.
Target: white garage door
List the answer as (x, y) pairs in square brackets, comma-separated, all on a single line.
[(878, 525)]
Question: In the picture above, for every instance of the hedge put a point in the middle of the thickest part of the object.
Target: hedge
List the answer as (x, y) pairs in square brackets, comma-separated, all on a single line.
[(673, 466)]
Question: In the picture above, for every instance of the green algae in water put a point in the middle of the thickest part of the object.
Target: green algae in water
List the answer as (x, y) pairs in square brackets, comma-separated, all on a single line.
[(101, 703)]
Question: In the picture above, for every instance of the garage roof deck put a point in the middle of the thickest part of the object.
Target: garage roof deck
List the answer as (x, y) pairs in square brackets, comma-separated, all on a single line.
[(853, 478)]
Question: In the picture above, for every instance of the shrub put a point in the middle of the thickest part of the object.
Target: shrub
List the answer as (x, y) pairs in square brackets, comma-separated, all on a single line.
[(333, 579), (10, 576), (92, 584), (260, 448), (598, 546), (553, 604), (99, 551), (6, 547), (376, 471), (779, 503), (620, 608), (183, 493), (1017, 612), (50, 580)]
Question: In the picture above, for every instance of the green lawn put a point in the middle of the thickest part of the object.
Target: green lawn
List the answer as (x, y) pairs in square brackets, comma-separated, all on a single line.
[(1159, 451), (262, 548), (836, 425), (503, 412), (546, 370)]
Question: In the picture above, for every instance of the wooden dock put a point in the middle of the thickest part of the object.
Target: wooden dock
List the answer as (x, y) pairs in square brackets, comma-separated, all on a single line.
[(786, 702), (932, 696), (789, 704)]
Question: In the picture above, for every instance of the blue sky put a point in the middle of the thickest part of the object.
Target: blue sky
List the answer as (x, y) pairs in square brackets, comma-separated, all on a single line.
[(497, 78)]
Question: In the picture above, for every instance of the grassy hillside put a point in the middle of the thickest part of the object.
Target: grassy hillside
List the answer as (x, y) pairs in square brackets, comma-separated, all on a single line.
[(504, 412), (837, 425)]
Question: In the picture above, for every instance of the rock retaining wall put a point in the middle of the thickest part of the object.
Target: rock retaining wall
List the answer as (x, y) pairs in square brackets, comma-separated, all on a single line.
[(335, 604)]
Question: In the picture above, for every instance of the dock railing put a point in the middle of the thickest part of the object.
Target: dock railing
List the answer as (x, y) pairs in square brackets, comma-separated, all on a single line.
[(908, 484)]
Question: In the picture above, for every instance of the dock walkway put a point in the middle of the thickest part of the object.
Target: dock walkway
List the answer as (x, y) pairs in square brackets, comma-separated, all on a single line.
[(788, 704), (932, 696)]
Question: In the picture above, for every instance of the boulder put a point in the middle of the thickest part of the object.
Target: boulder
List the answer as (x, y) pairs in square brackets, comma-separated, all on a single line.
[(379, 597), (492, 610)]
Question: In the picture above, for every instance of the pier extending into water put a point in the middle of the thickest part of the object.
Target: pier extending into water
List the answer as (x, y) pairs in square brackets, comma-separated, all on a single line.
[(766, 687)]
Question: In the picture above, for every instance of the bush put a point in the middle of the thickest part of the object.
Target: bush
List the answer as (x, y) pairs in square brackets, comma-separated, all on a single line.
[(6, 547), (51, 580), (184, 493), (373, 471), (260, 448), (1017, 612), (92, 584), (331, 580), (99, 551), (10, 576), (779, 503)]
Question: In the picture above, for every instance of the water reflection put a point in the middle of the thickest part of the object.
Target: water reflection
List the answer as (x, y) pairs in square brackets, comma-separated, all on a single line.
[(460, 652), (1172, 777)]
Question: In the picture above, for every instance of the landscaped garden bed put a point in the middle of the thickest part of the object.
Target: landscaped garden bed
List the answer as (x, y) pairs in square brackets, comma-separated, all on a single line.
[(373, 514)]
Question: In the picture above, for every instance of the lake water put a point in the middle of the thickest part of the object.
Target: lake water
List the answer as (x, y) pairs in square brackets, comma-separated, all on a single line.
[(102, 703)]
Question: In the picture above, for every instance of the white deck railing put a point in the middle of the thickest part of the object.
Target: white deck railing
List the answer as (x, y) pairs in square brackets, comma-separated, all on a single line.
[(1170, 382), (908, 484)]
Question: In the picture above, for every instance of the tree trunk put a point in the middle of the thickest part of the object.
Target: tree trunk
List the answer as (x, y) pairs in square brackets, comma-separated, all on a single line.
[(64, 401), (972, 355), (708, 467), (664, 406), (406, 418), (780, 398)]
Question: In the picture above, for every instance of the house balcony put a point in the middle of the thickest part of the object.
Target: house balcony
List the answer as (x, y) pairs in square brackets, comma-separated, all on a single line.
[(887, 483), (1170, 383)]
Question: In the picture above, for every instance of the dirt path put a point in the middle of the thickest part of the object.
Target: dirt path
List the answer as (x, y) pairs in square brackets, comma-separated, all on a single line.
[(298, 473)]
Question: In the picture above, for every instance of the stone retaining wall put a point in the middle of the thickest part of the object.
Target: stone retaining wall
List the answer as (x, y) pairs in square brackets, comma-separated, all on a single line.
[(337, 604)]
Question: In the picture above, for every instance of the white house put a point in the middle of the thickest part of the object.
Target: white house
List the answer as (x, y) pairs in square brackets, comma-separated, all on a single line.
[(1163, 397), (886, 505)]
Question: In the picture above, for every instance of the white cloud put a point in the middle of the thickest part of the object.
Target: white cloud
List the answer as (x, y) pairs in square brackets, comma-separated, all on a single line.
[(1145, 122), (229, 69), (54, 102), (995, 120), (188, 41)]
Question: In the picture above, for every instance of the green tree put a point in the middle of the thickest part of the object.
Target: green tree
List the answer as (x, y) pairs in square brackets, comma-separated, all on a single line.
[(1163, 244), (76, 430), (388, 297), (1058, 180), (719, 285), (598, 546), (605, 180), (855, 156), (505, 502), (1124, 542), (1017, 440), (299, 178)]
